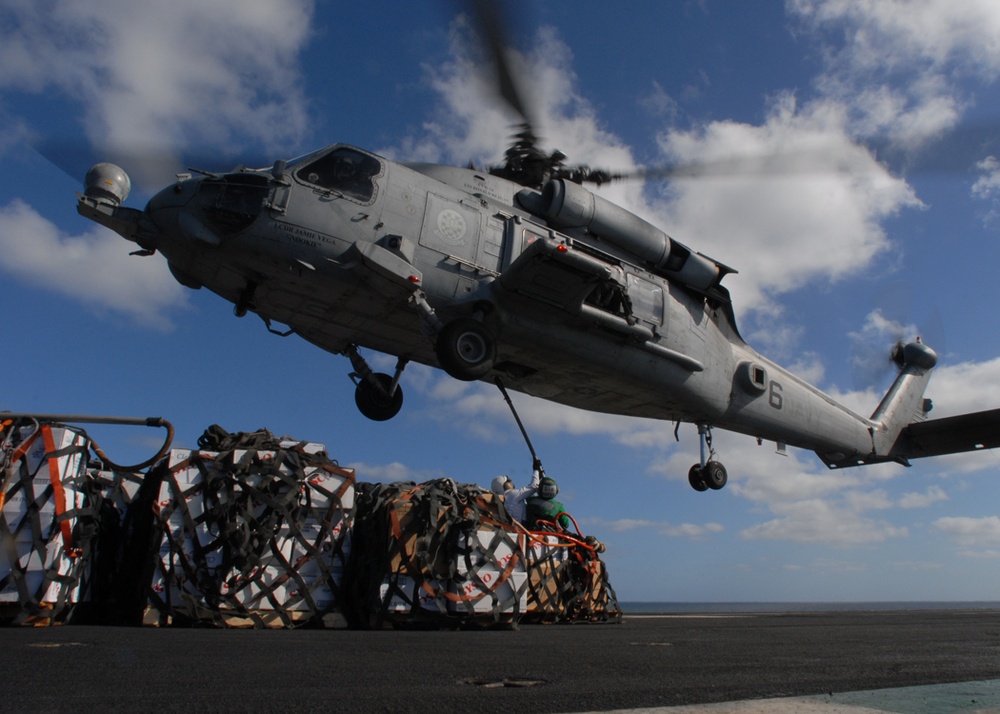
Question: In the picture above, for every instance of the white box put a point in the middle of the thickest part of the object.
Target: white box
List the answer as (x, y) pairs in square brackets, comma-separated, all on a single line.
[(540, 548), (489, 589), (56, 485), (487, 547), (269, 589), (35, 567), (315, 551), (414, 596)]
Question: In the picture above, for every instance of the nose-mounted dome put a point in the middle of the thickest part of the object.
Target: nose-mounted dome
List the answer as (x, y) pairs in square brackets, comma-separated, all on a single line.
[(107, 182)]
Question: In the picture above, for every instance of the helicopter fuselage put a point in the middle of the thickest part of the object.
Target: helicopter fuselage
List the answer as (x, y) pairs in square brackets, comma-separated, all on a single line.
[(577, 300)]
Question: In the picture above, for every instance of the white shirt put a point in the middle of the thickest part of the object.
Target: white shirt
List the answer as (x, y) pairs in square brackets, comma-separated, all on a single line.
[(515, 500)]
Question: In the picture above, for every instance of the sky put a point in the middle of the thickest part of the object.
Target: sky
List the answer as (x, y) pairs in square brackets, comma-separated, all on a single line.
[(854, 184)]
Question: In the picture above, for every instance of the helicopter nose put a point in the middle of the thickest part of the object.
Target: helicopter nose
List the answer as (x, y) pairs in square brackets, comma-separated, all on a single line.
[(163, 208), (209, 209), (170, 211)]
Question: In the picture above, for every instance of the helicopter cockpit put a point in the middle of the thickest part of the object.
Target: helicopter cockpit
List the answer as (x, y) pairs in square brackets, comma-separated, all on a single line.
[(346, 171)]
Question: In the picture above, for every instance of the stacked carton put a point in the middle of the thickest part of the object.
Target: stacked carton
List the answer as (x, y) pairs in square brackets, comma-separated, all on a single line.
[(491, 572), (438, 552), (251, 538), (46, 522)]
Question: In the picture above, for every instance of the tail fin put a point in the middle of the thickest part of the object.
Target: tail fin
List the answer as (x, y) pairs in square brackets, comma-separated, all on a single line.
[(901, 406), (899, 432), (904, 402)]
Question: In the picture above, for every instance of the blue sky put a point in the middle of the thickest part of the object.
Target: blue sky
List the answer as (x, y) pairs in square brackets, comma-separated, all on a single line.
[(835, 250)]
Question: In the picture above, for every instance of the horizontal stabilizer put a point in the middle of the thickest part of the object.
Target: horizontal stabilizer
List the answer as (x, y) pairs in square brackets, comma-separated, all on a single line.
[(950, 435)]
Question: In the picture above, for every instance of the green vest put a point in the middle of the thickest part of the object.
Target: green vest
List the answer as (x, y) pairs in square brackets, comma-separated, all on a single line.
[(545, 509)]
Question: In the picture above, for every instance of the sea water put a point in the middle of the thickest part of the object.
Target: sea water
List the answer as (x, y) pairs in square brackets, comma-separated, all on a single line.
[(683, 608)]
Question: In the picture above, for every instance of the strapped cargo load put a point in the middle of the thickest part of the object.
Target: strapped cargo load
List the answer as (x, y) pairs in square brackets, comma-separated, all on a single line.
[(440, 553), (255, 533), (448, 554), (567, 579), (48, 518), (254, 530)]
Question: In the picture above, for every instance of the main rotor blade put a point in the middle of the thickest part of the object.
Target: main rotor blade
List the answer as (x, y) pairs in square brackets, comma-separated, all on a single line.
[(150, 168), (491, 27), (957, 151)]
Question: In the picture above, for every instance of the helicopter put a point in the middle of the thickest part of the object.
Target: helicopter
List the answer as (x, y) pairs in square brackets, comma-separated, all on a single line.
[(521, 274)]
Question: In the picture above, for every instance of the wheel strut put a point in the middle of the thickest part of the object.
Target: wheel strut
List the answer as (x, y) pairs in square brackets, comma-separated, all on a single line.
[(705, 437), (708, 473), (378, 396)]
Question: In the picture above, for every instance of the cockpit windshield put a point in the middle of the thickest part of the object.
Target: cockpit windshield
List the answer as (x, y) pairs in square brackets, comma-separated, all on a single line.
[(344, 170)]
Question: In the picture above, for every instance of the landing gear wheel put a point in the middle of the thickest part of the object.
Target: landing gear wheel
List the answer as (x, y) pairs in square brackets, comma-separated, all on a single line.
[(375, 404), (466, 349), (715, 475), (697, 478)]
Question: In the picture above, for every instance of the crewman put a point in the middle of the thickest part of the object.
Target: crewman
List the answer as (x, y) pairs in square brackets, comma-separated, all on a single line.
[(544, 506), (514, 498)]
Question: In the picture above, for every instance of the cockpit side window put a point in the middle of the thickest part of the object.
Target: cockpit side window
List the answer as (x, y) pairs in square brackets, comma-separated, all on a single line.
[(345, 171)]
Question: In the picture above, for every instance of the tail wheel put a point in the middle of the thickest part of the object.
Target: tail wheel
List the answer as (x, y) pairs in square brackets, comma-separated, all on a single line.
[(466, 349), (715, 475), (697, 478), (710, 476)]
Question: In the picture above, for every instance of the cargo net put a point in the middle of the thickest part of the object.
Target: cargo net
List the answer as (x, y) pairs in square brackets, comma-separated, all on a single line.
[(48, 519), (567, 580), (255, 533), (254, 530), (444, 554)]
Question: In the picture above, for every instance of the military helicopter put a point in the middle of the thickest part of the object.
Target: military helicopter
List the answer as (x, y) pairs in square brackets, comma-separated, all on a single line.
[(519, 274)]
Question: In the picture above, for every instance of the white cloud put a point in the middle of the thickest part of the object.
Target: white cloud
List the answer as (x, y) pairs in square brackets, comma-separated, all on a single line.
[(393, 472), (919, 47), (95, 267), (691, 530), (822, 521), (155, 77), (987, 187), (922, 500), (971, 532), (890, 34), (660, 104), (979, 554), (965, 387), (797, 186), (663, 528)]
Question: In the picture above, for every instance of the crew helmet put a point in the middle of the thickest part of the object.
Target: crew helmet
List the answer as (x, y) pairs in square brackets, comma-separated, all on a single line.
[(499, 484), (547, 488)]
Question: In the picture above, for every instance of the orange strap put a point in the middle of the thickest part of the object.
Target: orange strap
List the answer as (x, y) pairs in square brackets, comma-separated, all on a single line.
[(58, 492)]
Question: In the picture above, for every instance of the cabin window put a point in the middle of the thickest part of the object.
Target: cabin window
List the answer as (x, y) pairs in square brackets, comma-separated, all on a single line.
[(647, 299), (232, 202), (346, 171)]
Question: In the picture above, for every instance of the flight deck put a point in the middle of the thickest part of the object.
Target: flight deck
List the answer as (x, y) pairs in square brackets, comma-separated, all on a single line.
[(822, 659)]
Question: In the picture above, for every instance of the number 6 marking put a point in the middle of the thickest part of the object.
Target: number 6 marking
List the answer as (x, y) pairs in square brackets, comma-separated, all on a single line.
[(774, 396)]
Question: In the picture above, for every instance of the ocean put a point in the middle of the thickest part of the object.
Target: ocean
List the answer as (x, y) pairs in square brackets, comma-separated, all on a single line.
[(688, 608)]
